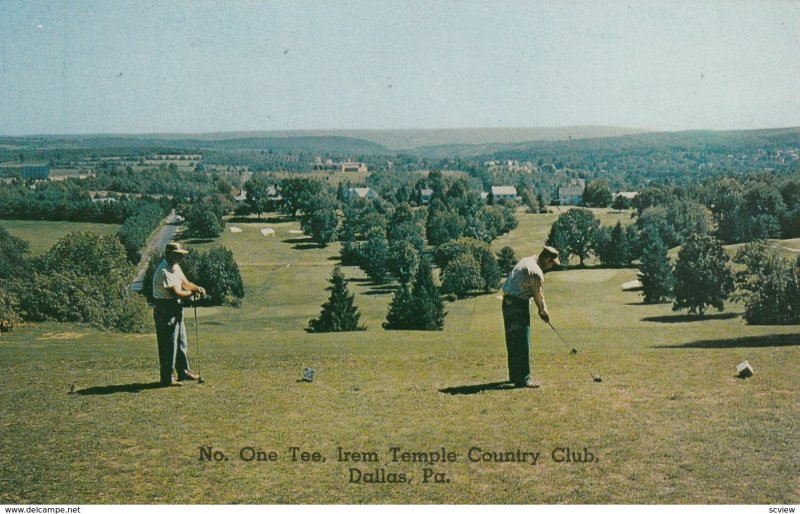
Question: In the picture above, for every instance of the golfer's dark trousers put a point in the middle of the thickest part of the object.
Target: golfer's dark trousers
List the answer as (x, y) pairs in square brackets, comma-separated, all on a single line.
[(517, 322), (171, 336)]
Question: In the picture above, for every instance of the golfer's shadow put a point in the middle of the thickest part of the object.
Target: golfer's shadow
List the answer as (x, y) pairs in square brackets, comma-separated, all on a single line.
[(478, 388), (121, 388)]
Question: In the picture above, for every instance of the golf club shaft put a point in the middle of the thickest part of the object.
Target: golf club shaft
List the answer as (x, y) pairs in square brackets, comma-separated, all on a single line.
[(559, 337), (593, 375), (196, 339)]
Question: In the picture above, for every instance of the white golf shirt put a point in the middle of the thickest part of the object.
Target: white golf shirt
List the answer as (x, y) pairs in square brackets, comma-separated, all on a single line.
[(165, 279)]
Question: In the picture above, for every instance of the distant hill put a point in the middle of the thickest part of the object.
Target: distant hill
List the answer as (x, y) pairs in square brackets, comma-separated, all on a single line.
[(407, 139), (294, 144), (687, 140), (512, 143)]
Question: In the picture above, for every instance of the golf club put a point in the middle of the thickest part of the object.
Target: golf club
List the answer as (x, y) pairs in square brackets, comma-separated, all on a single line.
[(573, 351), (197, 343)]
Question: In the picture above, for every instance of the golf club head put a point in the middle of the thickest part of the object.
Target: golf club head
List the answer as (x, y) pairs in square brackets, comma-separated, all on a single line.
[(597, 378), (200, 380)]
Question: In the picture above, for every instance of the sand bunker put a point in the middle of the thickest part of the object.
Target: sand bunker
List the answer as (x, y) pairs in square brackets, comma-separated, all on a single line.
[(235, 230), (633, 285), (268, 232), (295, 231)]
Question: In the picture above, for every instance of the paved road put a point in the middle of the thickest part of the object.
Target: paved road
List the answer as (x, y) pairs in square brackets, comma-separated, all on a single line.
[(156, 243)]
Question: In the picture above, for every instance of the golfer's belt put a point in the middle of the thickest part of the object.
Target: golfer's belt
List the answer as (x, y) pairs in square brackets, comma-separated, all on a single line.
[(166, 302)]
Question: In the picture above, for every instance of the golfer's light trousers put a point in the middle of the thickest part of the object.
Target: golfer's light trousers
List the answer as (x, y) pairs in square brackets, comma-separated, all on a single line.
[(171, 336), (517, 322)]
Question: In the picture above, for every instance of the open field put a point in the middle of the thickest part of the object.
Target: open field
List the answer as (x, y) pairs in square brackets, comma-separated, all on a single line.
[(44, 234), (668, 424)]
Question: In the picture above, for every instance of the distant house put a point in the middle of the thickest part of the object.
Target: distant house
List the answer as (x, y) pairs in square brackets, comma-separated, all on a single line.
[(425, 195), (358, 167), (484, 196), (572, 193), (504, 193), (364, 193), (101, 197), (273, 194)]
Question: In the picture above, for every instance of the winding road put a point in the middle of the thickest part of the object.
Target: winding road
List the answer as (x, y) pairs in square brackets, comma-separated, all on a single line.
[(156, 243)]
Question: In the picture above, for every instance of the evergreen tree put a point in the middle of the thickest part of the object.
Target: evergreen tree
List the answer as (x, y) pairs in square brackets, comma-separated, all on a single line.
[(419, 307), (400, 315), (655, 270), (702, 275), (612, 246), (339, 313)]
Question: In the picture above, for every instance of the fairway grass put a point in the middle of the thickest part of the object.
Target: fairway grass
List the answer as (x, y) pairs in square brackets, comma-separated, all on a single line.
[(669, 423), (42, 235)]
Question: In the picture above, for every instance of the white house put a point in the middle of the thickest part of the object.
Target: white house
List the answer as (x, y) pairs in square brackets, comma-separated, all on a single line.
[(504, 193), (354, 193), (425, 195), (572, 193)]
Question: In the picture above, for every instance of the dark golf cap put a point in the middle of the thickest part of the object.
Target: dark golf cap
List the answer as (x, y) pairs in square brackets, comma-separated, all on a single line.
[(176, 248), (550, 252)]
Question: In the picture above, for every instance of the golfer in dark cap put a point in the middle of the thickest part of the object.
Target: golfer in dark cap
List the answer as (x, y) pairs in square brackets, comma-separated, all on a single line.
[(170, 290), (524, 282)]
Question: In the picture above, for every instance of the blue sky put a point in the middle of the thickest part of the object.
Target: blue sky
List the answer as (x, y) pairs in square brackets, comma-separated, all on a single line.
[(202, 66)]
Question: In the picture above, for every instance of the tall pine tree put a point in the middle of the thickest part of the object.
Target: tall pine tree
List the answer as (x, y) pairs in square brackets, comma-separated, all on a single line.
[(655, 270), (419, 307), (339, 313)]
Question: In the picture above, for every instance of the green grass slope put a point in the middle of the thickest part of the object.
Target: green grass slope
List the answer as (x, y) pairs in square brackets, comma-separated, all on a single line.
[(668, 424)]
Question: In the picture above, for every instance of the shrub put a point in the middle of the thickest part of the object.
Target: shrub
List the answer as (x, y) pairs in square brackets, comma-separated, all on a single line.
[(462, 275), (83, 278), (9, 309)]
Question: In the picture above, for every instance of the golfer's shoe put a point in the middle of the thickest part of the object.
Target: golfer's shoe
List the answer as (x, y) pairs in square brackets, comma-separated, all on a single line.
[(528, 383), (170, 383), (187, 375)]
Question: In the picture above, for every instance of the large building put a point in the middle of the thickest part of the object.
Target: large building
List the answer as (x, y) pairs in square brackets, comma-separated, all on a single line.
[(348, 165), (359, 167), (36, 172)]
